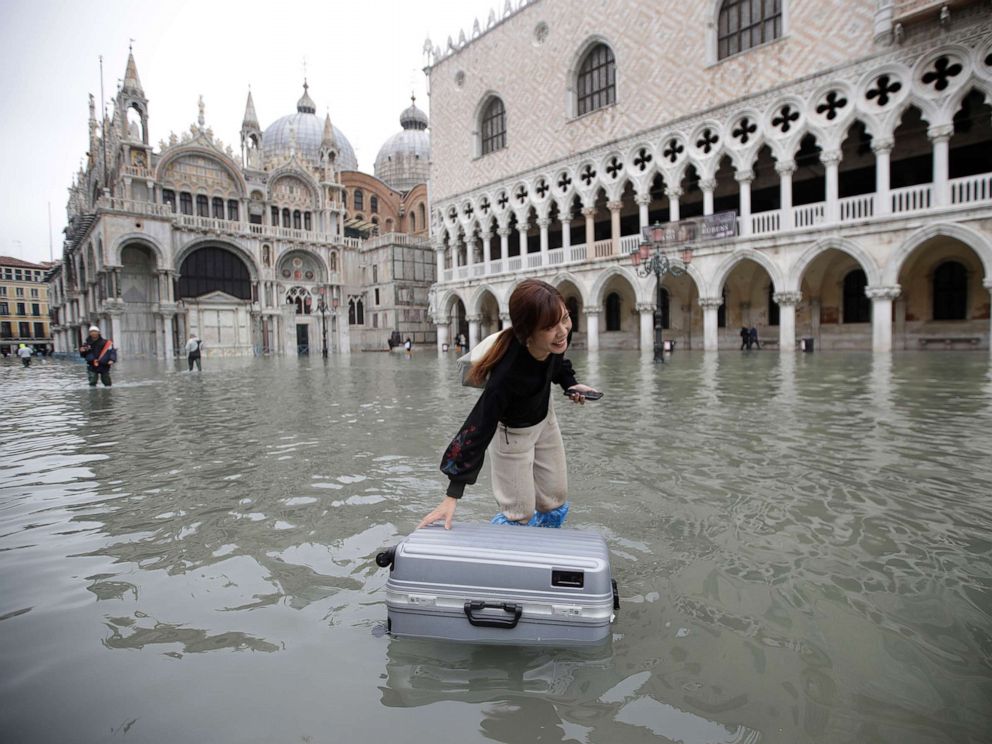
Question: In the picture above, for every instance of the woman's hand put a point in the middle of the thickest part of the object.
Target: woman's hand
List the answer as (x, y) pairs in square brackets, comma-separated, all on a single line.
[(444, 511), (576, 393)]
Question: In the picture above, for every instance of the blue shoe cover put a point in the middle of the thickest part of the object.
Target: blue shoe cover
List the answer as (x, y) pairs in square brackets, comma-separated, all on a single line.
[(553, 518)]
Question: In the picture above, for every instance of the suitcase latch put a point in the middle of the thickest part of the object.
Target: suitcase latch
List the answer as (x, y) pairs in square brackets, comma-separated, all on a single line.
[(566, 610), (422, 599)]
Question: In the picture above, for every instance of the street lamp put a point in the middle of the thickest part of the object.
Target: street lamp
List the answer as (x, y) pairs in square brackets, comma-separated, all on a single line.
[(658, 263), (322, 309)]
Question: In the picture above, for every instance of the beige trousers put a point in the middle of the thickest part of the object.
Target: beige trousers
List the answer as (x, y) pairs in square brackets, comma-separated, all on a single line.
[(528, 468)]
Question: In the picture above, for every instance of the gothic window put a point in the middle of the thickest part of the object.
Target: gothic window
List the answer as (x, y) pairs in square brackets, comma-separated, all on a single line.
[(334, 261), (359, 199), (413, 223), (493, 126), (275, 216), (169, 197), (217, 206), (232, 210), (202, 206), (666, 305), (285, 218), (773, 311), (721, 313), (950, 292), (360, 312), (307, 221), (186, 203), (596, 85), (297, 220), (744, 24), (351, 313), (374, 204), (214, 269), (613, 312), (857, 306)]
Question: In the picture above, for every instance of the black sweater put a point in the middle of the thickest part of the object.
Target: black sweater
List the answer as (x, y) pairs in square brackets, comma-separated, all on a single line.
[(517, 395)]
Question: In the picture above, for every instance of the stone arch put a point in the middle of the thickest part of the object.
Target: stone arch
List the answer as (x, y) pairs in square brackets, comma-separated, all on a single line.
[(971, 238), (226, 163), (144, 240), (474, 306), (567, 276), (719, 277), (595, 295), (571, 78), (291, 172), (234, 248), (323, 269), (794, 274)]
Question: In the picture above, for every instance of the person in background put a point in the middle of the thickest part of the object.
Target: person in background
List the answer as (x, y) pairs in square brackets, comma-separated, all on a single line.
[(193, 352), (514, 416), (100, 355), (745, 338), (25, 354), (753, 338)]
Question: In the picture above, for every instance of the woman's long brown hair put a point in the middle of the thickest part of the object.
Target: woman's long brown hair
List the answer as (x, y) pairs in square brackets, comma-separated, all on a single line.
[(534, 306)]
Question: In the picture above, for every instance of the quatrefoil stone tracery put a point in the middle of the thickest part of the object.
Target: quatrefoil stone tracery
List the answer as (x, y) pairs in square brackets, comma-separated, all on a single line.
[(642, 160), (885, 88), (786, 116), (588, 174), (614, 167), (564, 181), (833, 103), (942, 72), (707, 140), (745, 128), (673, 150)]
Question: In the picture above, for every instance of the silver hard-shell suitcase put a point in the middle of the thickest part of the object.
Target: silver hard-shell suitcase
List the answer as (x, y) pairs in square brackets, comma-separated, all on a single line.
[(483, 583)]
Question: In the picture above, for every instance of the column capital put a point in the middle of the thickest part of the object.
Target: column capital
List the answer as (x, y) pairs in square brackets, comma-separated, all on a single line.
[(505, 317), (673, 192), (614, 206), (830, 157), (503, 232), (486, 234), (543, 222), (588, 211), (707, 184), (787, 299), (882, 145), (883, 293), (785, 167), (940, 133), (592, 310), (642, 199), (645, 307), (744, 176), (710, 302), (473, 318), (523, 227)]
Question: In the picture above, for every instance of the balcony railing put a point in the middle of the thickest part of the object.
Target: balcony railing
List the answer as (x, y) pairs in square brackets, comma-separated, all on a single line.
[(961, 191), (114, 204)]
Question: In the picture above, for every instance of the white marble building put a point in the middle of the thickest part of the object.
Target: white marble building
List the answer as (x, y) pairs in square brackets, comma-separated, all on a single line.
[(271, 250), (853, 138)]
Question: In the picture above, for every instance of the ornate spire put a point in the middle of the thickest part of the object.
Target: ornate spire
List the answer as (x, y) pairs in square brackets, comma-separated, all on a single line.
[(306, 105), (328, 141), (251, 118), (132, 84), (201, 118)]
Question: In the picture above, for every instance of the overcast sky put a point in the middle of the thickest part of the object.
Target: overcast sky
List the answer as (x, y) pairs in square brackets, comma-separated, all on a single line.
[(363, 59)]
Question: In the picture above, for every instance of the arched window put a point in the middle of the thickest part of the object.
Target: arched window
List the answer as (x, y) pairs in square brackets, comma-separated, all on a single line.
[(360, 312), (334, 261), (285, 218), (275, 216), (218, 208), (359, 199), (351, 312), (202, 206), (169, 197), (186, 202), (344, 199), (413, 222), (572, 305), (374, 204), (721, 313), (493, 126), (307, 221), (596, 85), (423, 216), (666, 304), (857, 306), (297, 220), (950, 292), (214, 269), (613, 312), (744, 24), (773, 311), (233, 213)]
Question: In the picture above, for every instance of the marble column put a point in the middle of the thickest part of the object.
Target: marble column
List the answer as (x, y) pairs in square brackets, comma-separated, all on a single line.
[(590, 214), (566, 230), (167, 335), (504, 244), (522, 228), (711, 331), (785, 169), (708, 186), (487, 237), (643, 202), (646, 312), (744, 179), (439, 254), (592, 326), (883, 198), (881, 315), (831, 161), (673, 193), (615, 207), (442, 337), (542, 224), (787, 302), (505, 320), (940, 137), (473, 330)]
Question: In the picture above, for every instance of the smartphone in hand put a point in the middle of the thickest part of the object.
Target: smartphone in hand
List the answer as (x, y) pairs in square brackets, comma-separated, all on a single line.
[(589, 395)]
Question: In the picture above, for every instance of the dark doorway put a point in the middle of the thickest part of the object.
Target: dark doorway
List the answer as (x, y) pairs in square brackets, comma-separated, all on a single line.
[(302, 339)]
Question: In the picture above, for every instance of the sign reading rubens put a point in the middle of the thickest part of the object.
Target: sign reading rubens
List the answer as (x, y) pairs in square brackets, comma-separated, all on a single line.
[(710, 227)]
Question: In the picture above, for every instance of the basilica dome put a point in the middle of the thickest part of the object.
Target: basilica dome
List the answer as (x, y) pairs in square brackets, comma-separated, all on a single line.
[(404, 159), (308, 130)]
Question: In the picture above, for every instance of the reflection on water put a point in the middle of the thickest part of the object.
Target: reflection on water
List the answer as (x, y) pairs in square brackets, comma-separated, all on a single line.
[(803, 546)]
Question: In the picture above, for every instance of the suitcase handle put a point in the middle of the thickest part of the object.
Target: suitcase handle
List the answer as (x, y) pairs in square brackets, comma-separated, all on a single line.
[(493, 622)]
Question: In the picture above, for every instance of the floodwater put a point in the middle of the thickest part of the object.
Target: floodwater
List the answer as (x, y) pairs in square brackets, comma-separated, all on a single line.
[(803, 546)]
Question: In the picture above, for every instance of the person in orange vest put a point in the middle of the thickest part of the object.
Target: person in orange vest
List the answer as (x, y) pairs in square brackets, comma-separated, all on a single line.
[(100, 356)]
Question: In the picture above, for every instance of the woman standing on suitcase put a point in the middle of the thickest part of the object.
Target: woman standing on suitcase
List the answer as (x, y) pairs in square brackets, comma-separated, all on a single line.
[(514, 417)]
